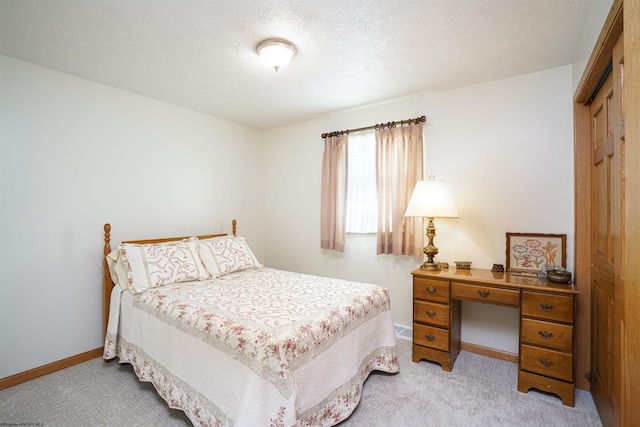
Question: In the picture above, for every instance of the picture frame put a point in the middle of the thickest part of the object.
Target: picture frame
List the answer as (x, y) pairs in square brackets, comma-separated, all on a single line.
[(528, 253)]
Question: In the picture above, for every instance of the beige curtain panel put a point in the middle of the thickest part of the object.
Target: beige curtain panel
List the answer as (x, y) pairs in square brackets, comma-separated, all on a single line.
[(399, 168), (334, 193)]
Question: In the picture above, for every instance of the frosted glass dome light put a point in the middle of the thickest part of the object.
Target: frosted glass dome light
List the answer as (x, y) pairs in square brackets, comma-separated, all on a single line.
[(276, 52)]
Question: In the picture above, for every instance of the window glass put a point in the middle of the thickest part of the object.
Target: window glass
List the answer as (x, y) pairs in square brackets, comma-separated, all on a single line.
[(362, 199)]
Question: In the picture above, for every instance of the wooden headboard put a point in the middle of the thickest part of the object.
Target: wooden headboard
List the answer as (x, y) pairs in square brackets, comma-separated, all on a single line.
[(107, 282)]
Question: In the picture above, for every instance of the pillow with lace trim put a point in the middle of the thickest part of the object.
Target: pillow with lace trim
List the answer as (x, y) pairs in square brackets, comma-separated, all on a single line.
[(159, 264), (226, 254)]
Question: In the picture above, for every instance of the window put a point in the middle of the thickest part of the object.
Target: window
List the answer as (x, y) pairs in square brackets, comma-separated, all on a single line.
[(352, 167), (362, 199)]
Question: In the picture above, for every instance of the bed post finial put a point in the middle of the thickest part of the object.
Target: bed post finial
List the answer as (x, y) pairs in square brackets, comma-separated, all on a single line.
[(107, 239), (233, 227)]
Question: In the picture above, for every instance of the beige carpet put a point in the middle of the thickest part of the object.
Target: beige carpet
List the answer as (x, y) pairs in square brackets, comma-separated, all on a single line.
[(480, 391)]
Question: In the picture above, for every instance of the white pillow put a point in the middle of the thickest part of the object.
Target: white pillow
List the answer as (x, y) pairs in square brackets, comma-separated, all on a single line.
[(226, 254), (117, 269), (158, 264)]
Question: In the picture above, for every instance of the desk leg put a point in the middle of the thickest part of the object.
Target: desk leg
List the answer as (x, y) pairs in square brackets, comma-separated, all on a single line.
[(563, 390), (442, 357)]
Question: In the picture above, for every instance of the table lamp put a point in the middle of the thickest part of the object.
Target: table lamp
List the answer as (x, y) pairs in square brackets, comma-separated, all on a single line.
[(431, 199)]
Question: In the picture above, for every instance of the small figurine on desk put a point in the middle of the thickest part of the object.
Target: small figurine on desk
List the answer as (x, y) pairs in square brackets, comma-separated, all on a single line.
[(463, 265), (497, 268), (444, 265)]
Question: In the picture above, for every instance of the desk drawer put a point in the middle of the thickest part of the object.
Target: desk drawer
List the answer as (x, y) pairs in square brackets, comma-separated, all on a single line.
[(430, 336), (485, 294), (431, 290), (550, 363), (547, 306), (547, 334), (432, 313)]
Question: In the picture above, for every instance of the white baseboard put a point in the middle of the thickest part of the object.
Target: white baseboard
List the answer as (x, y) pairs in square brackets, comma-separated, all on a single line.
[(403, 332)]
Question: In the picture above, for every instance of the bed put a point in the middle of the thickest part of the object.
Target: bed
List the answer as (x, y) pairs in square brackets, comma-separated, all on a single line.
[(232, 342)]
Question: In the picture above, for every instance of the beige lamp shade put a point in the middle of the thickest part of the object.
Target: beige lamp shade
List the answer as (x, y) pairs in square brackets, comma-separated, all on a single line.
[(431, 199)]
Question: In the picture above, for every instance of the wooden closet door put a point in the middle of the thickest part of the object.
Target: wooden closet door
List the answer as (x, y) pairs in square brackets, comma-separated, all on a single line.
[(607, 132)]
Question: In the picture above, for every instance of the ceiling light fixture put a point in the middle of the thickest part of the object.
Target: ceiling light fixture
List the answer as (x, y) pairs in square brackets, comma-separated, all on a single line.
[(276, 52)]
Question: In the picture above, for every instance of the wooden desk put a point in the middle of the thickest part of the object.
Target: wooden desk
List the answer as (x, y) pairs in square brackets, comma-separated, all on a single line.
[(547, 315)]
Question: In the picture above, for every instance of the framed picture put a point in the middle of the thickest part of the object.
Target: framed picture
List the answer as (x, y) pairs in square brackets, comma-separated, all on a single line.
[(528, 253)]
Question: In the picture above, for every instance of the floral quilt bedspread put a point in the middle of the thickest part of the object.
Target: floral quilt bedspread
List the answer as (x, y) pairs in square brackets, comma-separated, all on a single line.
[(272, 321)]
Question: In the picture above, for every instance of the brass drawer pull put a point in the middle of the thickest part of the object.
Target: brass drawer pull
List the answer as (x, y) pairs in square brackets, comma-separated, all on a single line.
[(546, 362), (431, 314), (483, 293), (546, 335), (431, 290), (430, 337), (545, 307)]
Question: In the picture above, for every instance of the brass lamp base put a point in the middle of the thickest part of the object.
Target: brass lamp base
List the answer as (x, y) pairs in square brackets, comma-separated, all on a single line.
[(430, 250), (430, 266)]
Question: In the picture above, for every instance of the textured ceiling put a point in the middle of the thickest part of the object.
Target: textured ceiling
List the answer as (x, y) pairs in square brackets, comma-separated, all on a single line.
[(200, 54)]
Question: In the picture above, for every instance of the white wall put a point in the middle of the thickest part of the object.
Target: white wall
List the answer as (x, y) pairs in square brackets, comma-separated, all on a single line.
[(76, 154), (505, 148), (598, 11)]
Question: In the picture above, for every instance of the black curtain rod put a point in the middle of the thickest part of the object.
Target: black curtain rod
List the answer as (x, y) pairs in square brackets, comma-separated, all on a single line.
[(415, 121)]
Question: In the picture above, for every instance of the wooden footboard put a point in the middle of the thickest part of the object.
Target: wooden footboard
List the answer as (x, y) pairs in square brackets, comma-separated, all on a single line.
[(107, 281)]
